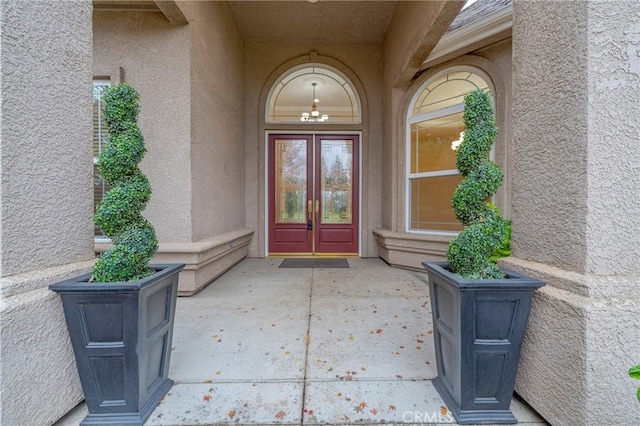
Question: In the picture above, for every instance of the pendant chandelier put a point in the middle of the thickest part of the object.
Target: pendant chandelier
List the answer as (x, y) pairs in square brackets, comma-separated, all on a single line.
[(314, 115)]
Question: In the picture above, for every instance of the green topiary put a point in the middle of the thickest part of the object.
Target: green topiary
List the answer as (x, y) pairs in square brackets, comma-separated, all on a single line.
[(486, 233), (119, 215)]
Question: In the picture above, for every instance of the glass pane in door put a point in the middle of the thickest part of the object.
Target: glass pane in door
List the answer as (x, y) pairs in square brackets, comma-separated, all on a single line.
[(290, 181), (336, 182)]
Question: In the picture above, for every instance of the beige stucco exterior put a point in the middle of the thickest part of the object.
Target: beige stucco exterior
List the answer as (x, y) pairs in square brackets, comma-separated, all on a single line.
[(575, 205), (565, 81), (46, 230)]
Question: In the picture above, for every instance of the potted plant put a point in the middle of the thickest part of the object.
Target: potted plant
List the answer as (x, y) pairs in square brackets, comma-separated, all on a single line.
[(120, 318), (480, 311)]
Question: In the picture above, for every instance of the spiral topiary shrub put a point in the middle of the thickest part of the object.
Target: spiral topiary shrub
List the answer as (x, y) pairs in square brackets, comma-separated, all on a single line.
[(119, 215), (472, 253)]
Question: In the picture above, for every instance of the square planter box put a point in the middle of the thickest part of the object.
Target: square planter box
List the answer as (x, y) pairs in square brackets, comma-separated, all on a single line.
[(478, 330), (121, 335)]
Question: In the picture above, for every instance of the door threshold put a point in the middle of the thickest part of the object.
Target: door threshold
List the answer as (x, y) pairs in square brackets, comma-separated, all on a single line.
[(311, 256)]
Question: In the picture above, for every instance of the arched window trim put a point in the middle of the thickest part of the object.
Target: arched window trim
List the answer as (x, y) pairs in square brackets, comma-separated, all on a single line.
[(291, 74), (412, 119)]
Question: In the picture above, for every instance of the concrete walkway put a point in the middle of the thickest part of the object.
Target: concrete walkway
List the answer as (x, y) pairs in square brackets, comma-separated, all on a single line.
[(266, 345)]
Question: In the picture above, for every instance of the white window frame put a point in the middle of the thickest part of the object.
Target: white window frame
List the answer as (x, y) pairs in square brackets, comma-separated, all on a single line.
[(413, 119)]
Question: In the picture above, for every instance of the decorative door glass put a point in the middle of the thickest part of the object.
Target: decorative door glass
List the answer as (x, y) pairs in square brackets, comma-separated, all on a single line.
[(290, 181), (336, 184)]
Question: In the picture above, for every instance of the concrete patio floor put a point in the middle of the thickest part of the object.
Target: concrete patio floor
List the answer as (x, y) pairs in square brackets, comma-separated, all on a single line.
[(267, 345)]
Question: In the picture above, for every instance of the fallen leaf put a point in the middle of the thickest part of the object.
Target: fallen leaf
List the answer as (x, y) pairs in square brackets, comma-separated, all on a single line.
[(219, 340), (358, 409), (310, 412), (215, 336), (398, 376), (443, 410), (379, 331), (430, 332), (207, 381), (339, 394), (418, 347), (374, 411), (280, 415), (363, 404), (392, 407), (231, 414), (363, 368), (207, 397), (218, 372), (306, 339), (287, 353), (351, 337)]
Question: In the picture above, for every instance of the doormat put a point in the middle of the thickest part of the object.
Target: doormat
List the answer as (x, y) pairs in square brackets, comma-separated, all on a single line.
[(314, 263)]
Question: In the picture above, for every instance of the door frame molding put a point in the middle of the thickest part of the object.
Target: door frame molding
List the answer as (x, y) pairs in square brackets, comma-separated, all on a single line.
[(265, 162)]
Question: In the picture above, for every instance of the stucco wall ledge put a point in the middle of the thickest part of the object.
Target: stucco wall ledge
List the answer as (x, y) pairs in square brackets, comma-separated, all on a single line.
[(574, 282), (41, 278), (582, 337), (204, 260), (408, 250)]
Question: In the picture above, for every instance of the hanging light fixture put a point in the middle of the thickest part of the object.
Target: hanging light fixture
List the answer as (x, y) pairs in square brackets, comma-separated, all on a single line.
[(315, 114)]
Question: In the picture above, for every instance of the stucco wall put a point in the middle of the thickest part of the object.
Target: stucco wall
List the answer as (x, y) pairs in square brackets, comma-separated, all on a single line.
[(46, 152), (155, 56), (217, 120), (46, 166), (550, 134), (614, 139), (576, 172), (414, 30), (262, 59)]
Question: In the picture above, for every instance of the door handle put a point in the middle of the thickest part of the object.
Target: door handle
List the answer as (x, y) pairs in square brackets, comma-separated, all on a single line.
[(317, 206), (310, 207)]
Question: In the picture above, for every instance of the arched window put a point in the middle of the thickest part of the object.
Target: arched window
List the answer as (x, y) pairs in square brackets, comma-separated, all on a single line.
[(434, 123), (313, 93)]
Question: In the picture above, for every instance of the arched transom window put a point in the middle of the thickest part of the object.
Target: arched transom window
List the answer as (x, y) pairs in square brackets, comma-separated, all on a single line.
[(313, 94), (434, 123)]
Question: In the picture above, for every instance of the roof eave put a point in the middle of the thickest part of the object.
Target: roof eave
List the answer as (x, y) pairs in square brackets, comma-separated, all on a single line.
[(484, 28)]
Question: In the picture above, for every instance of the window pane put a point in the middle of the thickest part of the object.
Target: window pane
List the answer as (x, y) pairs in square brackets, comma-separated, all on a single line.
[(292, 98), (337, 165), (447, 90), (290, 181), (100, 136), (430, 201), (431, 143)]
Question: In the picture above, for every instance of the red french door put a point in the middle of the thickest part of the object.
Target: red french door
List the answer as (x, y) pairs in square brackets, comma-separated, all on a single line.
[(313, 194)]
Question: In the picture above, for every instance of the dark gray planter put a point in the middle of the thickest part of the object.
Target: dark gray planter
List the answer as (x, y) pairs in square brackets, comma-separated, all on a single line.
[(121, 335), (478, 327)]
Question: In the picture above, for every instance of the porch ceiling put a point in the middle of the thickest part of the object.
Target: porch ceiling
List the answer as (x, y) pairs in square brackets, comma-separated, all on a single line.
[(324, 21)]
